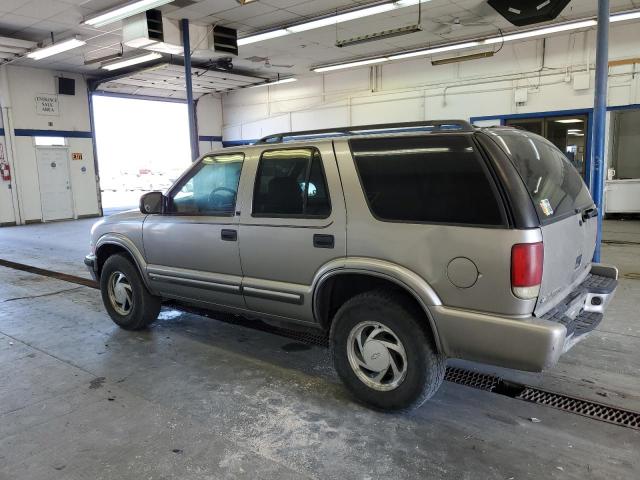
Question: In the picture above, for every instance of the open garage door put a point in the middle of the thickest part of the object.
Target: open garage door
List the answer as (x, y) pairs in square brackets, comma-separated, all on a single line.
[(142, 146)]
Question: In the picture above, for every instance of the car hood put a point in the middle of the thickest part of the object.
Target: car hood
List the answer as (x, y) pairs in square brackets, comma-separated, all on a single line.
[(127, 223)]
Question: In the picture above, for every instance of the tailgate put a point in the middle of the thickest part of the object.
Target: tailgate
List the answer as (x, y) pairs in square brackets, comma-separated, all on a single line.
[(568, 249)]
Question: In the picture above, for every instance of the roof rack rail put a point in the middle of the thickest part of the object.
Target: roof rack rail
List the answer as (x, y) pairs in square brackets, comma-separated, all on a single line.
[(378, 129)]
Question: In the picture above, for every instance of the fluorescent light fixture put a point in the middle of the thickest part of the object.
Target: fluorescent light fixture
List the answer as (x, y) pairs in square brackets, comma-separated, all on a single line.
[(56, 48), (262, 36), (574, 130), (127, 62), (373, 37), (541, 31), (621, 17), (277, 82), (123, 11), (569, 120), (330, 20), (431, 51), (350, 65), (462, 58)]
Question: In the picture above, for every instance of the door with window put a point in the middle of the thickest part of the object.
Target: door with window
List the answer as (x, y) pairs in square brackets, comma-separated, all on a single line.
[(292, 223), (192, 248), (55, 183)]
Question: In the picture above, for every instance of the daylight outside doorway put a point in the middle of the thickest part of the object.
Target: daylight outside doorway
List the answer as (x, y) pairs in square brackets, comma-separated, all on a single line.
[(142, 146)]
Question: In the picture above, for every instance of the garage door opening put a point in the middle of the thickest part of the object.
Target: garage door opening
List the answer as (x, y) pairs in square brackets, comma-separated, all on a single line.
[(142, 146)]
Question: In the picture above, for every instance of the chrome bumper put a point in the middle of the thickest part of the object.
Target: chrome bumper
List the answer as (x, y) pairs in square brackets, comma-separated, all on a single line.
[(92, 265), (531, 343)]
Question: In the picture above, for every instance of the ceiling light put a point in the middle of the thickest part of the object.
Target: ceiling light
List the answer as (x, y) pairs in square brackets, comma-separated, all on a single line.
[(262, 36), (372, 37), (123, 11), (350, 65), (127, 62), (330, 20), (620, 17), (56, 48), (574, 130), (431, 51), (569, 120), (277, 82), (542, 31), (462, 58)]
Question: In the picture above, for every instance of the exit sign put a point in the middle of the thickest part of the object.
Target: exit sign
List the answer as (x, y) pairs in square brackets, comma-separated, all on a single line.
[(76, 156)]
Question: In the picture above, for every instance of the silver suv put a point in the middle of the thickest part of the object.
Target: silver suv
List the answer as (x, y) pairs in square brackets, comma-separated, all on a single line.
[(408, 244)]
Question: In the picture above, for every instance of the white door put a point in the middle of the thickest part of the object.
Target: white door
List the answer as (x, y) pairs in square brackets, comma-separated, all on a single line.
[(55, 183)]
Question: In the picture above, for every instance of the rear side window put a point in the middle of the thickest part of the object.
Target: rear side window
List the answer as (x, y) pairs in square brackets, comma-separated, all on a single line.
[(291, 182), (555, 186), (426, 179)]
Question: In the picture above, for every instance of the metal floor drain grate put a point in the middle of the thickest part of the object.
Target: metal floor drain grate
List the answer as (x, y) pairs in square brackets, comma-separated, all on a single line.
[(587, 408), (469, 378)]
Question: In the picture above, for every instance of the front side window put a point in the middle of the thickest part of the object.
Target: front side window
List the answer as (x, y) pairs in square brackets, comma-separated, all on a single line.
[(210, 188), (291, 182), (426, 179)]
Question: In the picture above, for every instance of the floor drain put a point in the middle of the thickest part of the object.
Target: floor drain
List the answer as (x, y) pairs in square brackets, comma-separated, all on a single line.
[(587, 408)]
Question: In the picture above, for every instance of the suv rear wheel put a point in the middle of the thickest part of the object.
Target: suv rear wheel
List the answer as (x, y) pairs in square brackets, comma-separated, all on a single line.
[(127, 300), (383, 352)]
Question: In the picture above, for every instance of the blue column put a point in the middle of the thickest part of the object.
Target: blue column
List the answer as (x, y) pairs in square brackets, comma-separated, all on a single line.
[(598, 165), (193, 129)]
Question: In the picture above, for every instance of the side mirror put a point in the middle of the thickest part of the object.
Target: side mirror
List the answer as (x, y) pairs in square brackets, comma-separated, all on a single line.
[(152, 203)]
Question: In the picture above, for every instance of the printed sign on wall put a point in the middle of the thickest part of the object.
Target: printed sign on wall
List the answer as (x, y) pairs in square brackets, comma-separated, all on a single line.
[(46, 104), (76, 156)]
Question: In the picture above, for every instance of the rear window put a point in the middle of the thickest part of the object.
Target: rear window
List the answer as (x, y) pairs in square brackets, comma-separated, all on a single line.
[(426, 179), (555, 186)]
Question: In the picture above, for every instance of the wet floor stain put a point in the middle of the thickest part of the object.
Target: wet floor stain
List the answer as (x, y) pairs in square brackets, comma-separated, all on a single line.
[(295, 347), (97, 383)]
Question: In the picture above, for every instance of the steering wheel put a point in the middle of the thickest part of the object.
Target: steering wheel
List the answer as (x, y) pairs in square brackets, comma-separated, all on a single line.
[(218, 201)]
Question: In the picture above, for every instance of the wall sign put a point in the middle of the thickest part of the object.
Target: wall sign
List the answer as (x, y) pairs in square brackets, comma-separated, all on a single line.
[(46, 104), (76, 156)]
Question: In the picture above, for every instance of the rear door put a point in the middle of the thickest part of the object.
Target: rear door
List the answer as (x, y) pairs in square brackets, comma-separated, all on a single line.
[(565, 210), (293, 221)]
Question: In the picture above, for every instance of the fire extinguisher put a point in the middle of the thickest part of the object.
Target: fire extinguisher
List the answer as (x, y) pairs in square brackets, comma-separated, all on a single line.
[(5, 172)]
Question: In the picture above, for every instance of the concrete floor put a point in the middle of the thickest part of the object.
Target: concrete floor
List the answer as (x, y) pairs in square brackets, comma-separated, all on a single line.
[(192, 398)]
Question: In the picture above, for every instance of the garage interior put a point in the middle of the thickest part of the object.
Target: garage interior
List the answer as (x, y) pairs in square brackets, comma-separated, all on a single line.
[(214, 395)]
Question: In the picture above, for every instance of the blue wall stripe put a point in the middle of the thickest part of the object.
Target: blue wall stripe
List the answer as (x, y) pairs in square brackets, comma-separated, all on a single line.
[(1, 132), (27, 132), (210, 138)]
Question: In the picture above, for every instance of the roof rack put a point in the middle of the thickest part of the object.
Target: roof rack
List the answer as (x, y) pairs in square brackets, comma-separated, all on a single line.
[(378, 129)]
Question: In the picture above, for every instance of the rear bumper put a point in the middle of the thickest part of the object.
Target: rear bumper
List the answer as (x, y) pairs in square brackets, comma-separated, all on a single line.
[(92, 265), (531, 343)]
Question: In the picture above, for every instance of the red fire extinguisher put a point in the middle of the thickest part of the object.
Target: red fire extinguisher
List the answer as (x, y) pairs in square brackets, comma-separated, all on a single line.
[(5, 172)]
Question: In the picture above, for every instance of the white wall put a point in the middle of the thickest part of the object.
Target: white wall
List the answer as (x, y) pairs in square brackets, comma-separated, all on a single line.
[(416, 90), (19, 87)]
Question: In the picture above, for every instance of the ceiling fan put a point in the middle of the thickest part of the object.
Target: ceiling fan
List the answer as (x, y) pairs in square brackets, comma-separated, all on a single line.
[(266, 61), (457, 24)]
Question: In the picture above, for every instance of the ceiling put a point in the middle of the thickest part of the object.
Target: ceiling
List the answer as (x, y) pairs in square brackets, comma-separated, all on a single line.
[(37, 20)]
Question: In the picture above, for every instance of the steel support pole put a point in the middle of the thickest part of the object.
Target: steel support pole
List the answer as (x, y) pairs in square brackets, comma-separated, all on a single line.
[(598, 165), (191, 106)]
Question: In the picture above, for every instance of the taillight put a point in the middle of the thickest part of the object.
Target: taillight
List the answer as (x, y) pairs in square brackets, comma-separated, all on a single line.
[(526, 269)]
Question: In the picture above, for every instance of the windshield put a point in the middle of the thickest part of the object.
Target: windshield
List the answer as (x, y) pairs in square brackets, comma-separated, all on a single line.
[(556, 188)]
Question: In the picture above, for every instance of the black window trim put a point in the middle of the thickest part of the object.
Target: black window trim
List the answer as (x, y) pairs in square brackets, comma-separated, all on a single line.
[(188, 175), (491, 180), (300, 216)]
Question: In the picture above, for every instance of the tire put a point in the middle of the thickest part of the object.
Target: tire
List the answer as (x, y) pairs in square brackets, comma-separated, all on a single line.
[(398, 324), (127, 300)]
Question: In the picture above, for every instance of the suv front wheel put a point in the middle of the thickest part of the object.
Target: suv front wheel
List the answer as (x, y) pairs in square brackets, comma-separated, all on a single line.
[(126, 298), (383, 352)]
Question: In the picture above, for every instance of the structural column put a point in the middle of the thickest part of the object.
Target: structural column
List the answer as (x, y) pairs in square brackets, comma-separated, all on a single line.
[(193, 129), (600, 117)]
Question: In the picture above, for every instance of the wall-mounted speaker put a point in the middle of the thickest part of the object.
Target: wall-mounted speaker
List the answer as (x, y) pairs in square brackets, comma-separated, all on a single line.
[(66, 86), (528, 12)]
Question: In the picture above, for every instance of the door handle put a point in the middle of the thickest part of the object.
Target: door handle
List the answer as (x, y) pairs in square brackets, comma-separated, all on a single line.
[(323, 241), (229, 235)]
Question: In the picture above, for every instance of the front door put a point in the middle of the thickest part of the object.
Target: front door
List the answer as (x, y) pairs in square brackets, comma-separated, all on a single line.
[(55, 183), (293, 222), (192, 248)]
